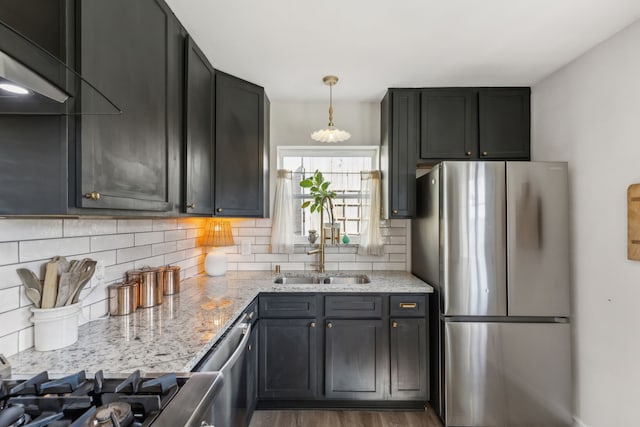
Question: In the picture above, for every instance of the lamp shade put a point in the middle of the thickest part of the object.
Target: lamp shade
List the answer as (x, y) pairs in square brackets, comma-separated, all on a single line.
[(218, 234)]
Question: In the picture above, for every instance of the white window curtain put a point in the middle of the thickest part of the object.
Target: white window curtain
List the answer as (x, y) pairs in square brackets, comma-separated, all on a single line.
[(371, 237), (282, 222)]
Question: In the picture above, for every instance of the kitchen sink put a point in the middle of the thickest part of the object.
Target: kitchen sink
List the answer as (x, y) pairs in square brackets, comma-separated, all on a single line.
[(355, 279)]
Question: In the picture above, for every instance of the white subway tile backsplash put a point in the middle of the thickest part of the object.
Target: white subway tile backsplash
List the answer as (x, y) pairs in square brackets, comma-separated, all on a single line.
[(31, 250), (263, 240), (175, 235), (165, 224), (132, 254), (134, 225), (396, 257), (9, 299), (116, 241), (248, 223), (185, 244), (396, 266), (261, 249), (117, 272), (29, 229), (9, 344), (14, 320), (174, 257), (254, 232), (106, 257), (372, 258), (289, 266), (149, 238), (263, 222), (195, 252), (154, 261), (398, 223), (93, 227), (355, 266), (395, 249), (8, 253), (163, 248), (259, 266), (9, 277), (340, 257), (240, 258), (271, 257)]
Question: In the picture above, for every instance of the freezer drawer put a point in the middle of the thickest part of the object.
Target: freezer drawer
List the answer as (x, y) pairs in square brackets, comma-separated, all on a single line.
[(507, 374)]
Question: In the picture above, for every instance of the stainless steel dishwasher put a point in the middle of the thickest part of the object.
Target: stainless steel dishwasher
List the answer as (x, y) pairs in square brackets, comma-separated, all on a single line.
[(229, 358)]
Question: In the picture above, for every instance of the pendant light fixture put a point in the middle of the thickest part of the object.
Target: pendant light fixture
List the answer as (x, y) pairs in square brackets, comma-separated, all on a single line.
[(331, 134)]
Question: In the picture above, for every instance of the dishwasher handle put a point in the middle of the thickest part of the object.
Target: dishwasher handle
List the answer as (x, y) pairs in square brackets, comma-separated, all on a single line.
[(240, 349)]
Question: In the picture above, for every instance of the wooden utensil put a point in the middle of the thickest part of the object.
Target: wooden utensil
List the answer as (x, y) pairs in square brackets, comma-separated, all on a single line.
[(88, 268), (68, 280), (34, 296), (29, 279), (50, 287)]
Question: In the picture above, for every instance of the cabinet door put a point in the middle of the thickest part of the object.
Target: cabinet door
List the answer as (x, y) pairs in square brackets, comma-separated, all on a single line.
[(409, 359), (288, 358), (402, 154), (505, 123), (448, 124), (240, 157), (252, 375), (355, 359), (199, 120), (132, 50)]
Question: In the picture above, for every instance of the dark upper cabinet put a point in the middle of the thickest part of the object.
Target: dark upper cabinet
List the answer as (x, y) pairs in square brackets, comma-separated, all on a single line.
[(134, 51), (199, 122), (474, 123), (448, 124), (33, 149), (288, 358), (409, 358), (241, 149), (399, 132), (355, 359), (504, 123)]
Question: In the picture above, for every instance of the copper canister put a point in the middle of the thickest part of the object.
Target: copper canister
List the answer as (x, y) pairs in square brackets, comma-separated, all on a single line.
[(150, 287), (122, 299), (172, 280)]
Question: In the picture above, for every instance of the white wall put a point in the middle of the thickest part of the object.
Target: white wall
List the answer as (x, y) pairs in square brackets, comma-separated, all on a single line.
[(588, 113)]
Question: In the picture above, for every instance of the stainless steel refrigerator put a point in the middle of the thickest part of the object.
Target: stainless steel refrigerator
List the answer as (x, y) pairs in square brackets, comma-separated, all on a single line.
[(493, 240)]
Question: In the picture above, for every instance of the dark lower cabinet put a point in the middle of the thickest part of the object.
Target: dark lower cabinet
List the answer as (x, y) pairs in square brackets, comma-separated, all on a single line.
[(134, 51), (409, 359), (355, 359), (288, 359)]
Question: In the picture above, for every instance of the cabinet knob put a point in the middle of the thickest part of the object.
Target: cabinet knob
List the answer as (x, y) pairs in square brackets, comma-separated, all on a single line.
[(312, 324), (395, 211), (219, 210), (394, 324), (468, 153), (329, 325), (94, 195), (191, 206), (484, 153)]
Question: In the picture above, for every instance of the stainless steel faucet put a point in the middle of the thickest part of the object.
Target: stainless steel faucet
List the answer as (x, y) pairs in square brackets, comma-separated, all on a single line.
[(320, 249)]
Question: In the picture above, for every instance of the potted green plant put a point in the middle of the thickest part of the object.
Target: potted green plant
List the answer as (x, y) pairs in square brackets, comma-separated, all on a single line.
[(322, 196)]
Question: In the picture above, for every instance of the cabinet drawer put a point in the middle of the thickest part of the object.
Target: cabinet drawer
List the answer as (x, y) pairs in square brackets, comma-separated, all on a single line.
[(273, 306), (408, 305), (353, 307)]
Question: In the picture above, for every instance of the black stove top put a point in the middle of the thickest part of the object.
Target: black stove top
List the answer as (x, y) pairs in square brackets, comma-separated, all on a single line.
[(78, 401)]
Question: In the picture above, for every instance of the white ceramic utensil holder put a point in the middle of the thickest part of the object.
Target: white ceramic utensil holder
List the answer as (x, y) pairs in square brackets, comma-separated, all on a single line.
[(55, 327)]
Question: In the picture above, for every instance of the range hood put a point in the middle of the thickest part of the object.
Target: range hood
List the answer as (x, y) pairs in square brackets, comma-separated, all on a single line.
[(34, 82)]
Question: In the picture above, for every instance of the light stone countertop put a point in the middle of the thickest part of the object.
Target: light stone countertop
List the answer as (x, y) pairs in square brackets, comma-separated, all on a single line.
[(174, 336)]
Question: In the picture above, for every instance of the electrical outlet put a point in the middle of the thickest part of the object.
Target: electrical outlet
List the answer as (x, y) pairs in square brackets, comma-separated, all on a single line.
[(245, 247), (98, 274)]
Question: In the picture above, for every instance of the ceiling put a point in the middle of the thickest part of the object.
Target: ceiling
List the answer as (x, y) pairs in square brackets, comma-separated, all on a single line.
[(287, 46)]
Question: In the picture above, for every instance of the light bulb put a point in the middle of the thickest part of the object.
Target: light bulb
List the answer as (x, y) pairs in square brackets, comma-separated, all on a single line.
[(14, 88)]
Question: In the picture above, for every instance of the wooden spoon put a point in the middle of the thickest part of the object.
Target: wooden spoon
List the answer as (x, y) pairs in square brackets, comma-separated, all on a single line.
[(50, 287)]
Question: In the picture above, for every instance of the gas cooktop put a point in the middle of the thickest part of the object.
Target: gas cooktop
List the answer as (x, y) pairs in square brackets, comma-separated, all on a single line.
[(78, 401)]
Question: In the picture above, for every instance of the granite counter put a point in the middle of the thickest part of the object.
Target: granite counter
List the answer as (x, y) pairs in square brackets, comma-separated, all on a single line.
[(174, 336)]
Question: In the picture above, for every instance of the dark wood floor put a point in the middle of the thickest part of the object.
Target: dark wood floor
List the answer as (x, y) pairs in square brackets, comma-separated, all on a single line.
[(345, 419)]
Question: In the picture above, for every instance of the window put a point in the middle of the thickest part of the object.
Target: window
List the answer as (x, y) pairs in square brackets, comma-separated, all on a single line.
[(339, 165)]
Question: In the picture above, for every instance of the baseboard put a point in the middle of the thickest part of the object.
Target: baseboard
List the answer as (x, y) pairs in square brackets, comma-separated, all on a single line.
[(400, 405), (577, 422)]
